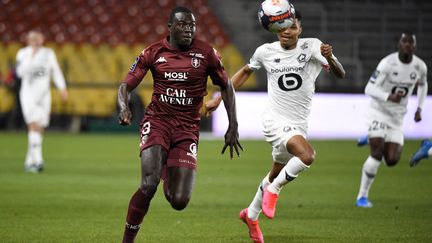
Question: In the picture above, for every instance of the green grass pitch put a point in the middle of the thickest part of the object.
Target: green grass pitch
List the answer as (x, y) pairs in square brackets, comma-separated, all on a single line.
[(83, 194)]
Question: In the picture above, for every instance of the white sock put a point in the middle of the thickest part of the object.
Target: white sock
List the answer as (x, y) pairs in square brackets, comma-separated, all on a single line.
[(288, 173), (369, 171), (430, 152), (28, 160), (254, 208), (35, 139)]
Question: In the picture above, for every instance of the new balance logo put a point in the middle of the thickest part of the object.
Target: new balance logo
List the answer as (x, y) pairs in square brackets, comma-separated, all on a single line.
[(288, 177), (161, 59)]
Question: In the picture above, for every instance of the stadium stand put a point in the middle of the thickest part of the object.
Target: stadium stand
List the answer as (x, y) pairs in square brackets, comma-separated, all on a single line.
[(96, 41)]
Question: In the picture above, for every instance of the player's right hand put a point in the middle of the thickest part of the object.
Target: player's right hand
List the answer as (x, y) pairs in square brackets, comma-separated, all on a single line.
[(396, 97), (125, 117)]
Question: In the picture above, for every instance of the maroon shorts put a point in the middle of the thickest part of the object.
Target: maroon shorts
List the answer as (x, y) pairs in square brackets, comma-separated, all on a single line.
[(180, 144)]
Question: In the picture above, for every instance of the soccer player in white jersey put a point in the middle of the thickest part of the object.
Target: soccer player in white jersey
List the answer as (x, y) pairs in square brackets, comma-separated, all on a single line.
[(390, 87), (35, 66), (292, 66)]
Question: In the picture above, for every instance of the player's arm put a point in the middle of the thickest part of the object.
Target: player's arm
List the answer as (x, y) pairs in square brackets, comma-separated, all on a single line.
[(335, 66), (231, 135), (123, 96), (22, 65), (422, 89), (237, 80), (58, 77), (133, 79)]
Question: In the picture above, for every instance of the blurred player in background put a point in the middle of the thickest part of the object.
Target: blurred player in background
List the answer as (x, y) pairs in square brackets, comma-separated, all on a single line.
[(35, 66), (292, 66), (180, 66), (390, 87)]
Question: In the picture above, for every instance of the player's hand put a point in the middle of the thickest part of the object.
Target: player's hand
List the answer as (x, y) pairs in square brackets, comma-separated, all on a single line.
[(326, 50), (417, 116), (125, 116), (211, 106), (231, 140), (64, 95), (396, 97)]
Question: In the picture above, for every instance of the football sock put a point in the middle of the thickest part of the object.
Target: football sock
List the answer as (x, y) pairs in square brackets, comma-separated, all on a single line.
[(138, 207), (369, 171), (288, 173), (254, 208), (28, 160), (430, 152), (35, 142)]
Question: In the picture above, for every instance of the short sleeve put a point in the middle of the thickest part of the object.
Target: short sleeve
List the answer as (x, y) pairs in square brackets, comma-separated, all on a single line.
[(138, 69), (216, 70), (255, 62)]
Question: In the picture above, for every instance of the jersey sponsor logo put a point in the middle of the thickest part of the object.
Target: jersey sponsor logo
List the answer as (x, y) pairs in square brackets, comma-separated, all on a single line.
[(132, 68), (198, 55), (276, 60), (286, 69), (290, 81), (176, 97), (195, 62), (161, 59), (400, 89), (176, 76), (301, 58)]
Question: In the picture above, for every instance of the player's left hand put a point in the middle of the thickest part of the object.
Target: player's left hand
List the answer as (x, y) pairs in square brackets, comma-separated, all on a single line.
[(417, 116), (326, 50), (64, 95), (231, 140)]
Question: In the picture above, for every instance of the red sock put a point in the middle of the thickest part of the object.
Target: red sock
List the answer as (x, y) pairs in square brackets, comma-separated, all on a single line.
[(138, 207)]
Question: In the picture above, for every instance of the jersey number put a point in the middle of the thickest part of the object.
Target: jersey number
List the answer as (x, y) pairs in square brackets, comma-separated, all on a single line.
[(290, 81)]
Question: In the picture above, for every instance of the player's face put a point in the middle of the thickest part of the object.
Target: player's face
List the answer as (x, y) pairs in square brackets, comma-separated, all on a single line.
[(288, 37), (182, 30), (407, 44), (35, 39)]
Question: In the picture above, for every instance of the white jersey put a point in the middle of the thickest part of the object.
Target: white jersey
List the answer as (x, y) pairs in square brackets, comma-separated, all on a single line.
[(392, 76), (35, 71), (291, 76)]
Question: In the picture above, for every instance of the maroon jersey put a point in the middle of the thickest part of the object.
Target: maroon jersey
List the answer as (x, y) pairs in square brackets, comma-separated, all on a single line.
[(180, 78)]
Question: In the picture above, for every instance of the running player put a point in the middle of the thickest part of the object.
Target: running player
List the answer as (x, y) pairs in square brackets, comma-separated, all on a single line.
[(390, 87), (180, 66), (36, 64), (292, 66)]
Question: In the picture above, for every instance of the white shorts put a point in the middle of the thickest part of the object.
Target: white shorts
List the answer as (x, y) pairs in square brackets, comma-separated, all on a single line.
[(37, 111), (381, 129), (277, 133)]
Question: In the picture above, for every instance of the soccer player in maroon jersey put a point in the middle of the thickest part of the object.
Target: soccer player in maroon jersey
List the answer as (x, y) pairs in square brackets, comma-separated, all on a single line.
[(180, 66)]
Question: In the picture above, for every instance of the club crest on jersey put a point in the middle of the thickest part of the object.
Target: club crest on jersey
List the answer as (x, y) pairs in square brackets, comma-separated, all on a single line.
[(413, 76), (304, 46), (193, 150), (195, 62), (301, 58)]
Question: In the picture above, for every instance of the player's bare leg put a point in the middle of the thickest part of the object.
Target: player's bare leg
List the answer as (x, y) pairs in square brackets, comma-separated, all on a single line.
[(392, 153), (152, 161), (304, 155), (178, 191)]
